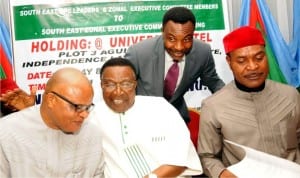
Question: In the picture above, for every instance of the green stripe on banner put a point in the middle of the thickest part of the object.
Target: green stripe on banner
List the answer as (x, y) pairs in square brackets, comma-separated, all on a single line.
[(274, 70), (108, 18), (2, 73)]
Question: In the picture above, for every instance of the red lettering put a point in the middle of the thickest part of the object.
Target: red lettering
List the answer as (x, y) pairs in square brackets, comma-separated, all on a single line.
[(40, 86), (35, 46), (126, 41), (60, 45), (203, 37), (39, 75)]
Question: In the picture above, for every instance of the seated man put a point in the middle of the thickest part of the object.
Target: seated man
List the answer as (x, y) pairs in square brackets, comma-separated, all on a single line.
[(143, 136), (53, 139), (251, 110)]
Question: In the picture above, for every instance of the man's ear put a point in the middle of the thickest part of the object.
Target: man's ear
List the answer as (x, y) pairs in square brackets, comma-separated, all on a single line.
[(49, 99), (228, 59)]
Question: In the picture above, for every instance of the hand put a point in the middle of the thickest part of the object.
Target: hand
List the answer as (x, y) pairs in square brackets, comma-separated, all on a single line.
[(18, 99), (227, 174)]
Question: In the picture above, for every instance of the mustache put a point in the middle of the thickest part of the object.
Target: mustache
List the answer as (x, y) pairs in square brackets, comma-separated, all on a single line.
[(253, 74)]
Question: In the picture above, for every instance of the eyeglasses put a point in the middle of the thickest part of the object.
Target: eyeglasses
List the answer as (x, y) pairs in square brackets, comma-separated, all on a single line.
[(77, 107), (124, 85)]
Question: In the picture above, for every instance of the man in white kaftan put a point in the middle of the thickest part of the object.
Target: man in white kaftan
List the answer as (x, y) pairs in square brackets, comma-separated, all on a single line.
[(28, 148), (143, 136), (53, 139), (149, 134)]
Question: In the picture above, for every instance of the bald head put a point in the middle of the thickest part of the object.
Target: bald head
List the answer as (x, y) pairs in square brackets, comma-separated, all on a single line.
[(70, 77)]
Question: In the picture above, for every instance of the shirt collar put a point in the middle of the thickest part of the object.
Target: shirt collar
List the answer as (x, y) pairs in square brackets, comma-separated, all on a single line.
[(168, 58)]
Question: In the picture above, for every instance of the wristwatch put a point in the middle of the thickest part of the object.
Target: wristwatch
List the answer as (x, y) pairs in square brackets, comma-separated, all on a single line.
[(152, 175)]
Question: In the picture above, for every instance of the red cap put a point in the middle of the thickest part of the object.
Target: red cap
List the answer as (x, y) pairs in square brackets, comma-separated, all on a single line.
[(8, 84), (242, 37)]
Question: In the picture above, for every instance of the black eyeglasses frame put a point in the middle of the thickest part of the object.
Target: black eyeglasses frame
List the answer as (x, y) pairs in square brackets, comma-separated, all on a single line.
[(77, 107)]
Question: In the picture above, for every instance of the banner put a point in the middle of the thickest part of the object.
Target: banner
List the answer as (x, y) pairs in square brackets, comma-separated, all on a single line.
[(85, 34)]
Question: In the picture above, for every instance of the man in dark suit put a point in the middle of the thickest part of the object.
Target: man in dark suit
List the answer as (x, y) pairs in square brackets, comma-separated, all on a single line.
[(153, 57)]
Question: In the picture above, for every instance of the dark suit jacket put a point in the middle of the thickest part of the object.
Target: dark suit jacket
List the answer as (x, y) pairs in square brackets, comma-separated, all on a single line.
[(148, 57)]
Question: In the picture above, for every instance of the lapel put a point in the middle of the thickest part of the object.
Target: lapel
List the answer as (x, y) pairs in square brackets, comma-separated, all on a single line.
[(158, 59)]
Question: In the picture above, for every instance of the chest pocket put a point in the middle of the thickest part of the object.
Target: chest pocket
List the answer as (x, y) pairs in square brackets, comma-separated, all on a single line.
[(288, 129)]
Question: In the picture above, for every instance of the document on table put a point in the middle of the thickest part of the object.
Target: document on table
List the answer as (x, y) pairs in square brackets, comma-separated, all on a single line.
[(262, 165)]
